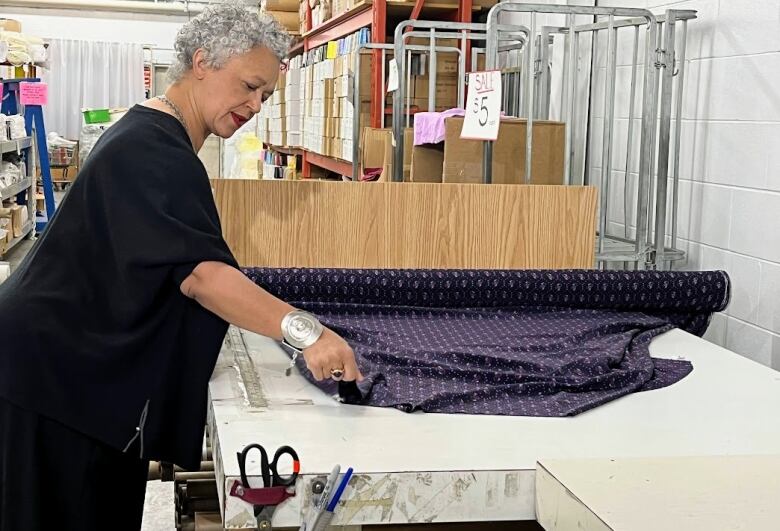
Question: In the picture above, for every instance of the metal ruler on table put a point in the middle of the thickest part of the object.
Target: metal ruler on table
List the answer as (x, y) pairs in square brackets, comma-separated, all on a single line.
[(254, 389)]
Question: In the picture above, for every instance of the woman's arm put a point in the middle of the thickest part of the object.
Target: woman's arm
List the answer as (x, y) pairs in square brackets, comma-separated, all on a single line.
[(228, 293)]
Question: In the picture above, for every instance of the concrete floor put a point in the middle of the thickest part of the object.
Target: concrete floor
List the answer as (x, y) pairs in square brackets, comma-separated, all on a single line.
[(159, 508)]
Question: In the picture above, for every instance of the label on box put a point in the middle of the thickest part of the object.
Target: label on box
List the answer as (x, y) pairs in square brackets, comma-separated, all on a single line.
[(483, 106), (392, 78), (33, 93)]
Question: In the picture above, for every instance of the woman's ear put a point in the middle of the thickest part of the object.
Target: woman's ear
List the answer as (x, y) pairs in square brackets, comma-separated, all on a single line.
[(199, 64)]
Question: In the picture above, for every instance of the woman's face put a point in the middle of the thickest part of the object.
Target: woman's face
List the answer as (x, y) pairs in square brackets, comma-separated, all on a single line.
[(229, 96)]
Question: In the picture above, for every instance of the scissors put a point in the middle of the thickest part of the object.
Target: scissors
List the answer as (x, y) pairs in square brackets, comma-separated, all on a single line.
[(272, 481)]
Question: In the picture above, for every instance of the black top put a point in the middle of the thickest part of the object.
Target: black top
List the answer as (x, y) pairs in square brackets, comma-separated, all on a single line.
[(95, 332)]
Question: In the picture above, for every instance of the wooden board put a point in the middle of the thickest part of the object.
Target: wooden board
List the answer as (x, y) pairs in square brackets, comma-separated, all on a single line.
[(701, 493), (407, 225)]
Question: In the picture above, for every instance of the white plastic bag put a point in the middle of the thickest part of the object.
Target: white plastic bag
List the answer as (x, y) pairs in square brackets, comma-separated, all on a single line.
[(249, 150)]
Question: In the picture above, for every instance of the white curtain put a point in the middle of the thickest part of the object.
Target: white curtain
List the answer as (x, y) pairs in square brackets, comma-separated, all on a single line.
[(86, 74)]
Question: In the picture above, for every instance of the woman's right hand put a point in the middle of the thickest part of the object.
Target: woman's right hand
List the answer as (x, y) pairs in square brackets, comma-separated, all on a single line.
[(331, 353)]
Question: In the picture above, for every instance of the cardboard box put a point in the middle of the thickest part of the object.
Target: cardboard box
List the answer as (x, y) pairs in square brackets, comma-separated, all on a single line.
[(9, 24), (324, 89), (64, 174), (377, 151), (19, 217), (331, 127), (463, 158), (294, 77), (336, 148), (347, 108), (427, 163), (294, 139), (293, 123), (346, 152), (6, 230), (446, 92)]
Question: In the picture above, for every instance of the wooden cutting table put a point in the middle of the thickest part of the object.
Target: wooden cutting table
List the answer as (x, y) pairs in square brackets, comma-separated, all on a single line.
[(418, 468)]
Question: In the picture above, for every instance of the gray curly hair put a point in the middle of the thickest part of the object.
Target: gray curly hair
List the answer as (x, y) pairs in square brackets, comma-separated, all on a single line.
[(224, 30)]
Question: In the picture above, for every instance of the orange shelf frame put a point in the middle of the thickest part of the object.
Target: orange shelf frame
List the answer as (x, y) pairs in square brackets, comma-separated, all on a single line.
[(335, 165), (373, 14)]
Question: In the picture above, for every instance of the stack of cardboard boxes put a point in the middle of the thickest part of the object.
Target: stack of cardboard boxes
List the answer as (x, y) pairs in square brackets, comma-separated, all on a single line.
[(277, 113), (330, 105), (303, 9), (460, 161), (13, 219), (292, 96), (445, 91), (323, 10)]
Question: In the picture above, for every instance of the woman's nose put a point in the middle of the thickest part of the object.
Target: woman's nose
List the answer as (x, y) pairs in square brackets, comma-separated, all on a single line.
[(255, 103)]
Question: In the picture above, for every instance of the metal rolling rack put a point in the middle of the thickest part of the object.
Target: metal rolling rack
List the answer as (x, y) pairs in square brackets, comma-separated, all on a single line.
[(649, 240), (514, 36), (643, 243), (368, 48)]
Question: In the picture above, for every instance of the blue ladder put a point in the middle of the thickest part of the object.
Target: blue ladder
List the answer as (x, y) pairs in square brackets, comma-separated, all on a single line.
[(33, 121)]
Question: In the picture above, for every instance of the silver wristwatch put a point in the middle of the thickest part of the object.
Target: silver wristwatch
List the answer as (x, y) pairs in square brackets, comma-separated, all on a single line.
[(300, 330)]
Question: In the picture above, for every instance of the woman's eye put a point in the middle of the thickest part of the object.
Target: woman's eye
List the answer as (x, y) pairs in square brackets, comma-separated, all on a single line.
[(250, 87)]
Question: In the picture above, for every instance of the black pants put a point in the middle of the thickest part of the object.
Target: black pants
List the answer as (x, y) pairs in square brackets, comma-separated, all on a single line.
[(52, 477)]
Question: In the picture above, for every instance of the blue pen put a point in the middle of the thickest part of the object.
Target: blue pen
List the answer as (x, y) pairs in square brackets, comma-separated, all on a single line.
[(339, 491)]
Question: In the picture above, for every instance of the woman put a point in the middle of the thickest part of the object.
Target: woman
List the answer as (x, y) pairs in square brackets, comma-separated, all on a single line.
[(112, 324)]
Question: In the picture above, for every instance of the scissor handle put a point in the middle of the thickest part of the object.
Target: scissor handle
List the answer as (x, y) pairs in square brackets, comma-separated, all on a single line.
[(268, 470), (289, 480), (263, 464)]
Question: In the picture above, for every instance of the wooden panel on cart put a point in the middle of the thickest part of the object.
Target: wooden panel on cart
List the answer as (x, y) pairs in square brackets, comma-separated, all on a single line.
[(407, 225)]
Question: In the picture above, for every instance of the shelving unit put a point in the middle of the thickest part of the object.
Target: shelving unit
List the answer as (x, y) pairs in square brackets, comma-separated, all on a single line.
[(28, 227), (373, 14), (286, 150), (15, 189), (26, 186), (15, 145), (34, 151)]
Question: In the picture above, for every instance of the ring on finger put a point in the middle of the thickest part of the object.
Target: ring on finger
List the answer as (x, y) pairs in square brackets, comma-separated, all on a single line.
[(337, 374)]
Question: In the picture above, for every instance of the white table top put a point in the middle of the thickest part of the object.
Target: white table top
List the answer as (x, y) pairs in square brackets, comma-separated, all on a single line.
[(727, 405), (692, 493)]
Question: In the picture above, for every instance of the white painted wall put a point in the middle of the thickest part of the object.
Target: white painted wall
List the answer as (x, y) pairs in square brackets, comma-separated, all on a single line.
[(155, 30), (730, 163)]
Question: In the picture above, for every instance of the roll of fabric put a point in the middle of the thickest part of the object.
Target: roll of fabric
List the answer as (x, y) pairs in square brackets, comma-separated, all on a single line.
[(289, 20), (280, 5), (534, 343), (652, 291)]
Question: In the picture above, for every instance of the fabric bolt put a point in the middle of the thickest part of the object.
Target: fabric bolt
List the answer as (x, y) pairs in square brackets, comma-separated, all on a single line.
[(531, 343), (429, 126)]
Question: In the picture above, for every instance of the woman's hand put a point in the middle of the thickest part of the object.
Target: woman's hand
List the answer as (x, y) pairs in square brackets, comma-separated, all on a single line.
[(330, 352)]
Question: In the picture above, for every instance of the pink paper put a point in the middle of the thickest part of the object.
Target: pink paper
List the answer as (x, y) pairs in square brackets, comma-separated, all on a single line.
[(429, 126), (33, 93)]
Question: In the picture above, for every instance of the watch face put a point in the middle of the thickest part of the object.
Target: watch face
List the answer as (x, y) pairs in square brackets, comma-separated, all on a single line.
[(301, 328)]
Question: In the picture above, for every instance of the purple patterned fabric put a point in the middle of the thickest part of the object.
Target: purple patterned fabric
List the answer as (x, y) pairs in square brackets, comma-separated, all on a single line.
[(533, 343)]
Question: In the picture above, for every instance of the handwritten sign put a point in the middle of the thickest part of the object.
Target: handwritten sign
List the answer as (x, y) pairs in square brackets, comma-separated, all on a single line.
[(33, 93), (483, 106)]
